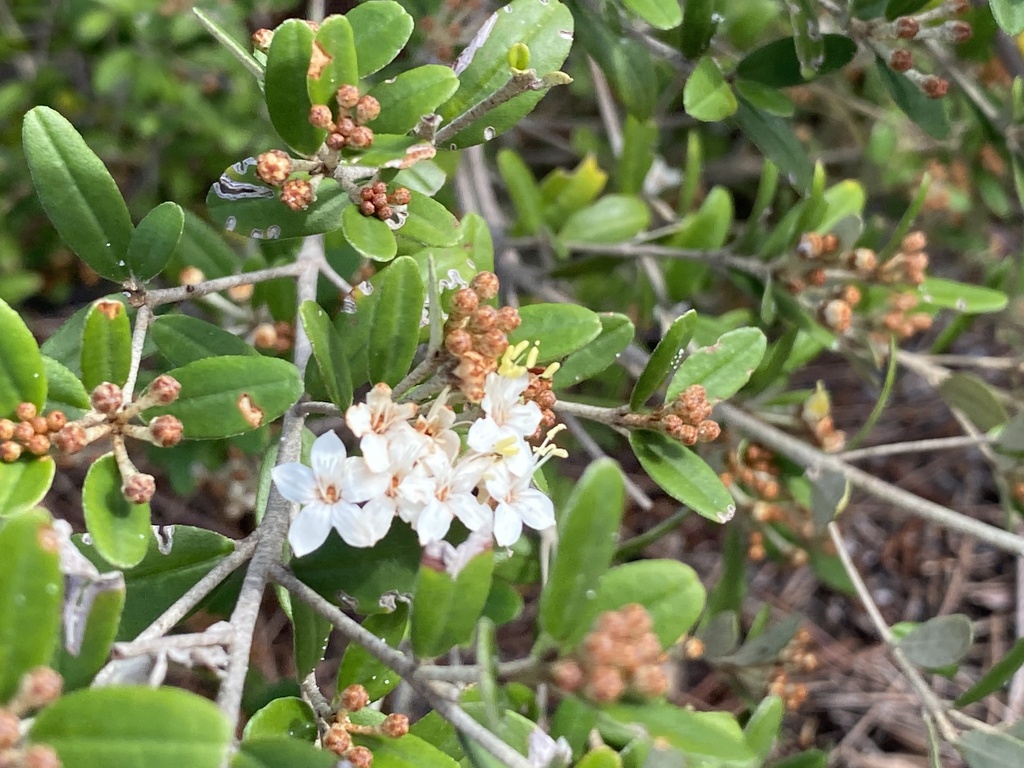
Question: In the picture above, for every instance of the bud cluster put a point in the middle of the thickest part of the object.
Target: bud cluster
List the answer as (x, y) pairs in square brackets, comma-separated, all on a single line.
[(349, 129), (338, 737), (539, 391), (816, 415), (688, 417), (476, 334), (830, 280), (375, 200), (279, 336), (32, 432), (796, 658), (620, 655), (756, 470), (38, 688)]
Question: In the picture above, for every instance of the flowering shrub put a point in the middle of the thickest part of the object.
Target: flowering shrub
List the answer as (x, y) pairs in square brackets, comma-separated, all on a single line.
[(388, 334)]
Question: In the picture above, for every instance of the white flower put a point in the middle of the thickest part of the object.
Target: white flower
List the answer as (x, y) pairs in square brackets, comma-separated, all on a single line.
[(455, 559), (436, 426), (453, 496), (518, 503), (507, 422), (409, 485), (327, 492), (373, 420)]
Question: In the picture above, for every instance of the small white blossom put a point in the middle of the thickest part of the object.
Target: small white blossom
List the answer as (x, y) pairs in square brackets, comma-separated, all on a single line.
[(373, 420), (518, 503), (453, 496), (455, 559), (436, 426), (409, 485), (327, 492), (507, 422)]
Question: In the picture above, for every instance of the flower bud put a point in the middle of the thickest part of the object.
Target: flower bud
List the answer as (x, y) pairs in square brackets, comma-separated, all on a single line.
[(345, 126), (400, 196), (9, 729), (384, 212), (262, 38), (297, 194), (320, 117), (367, 194), (458, 342), (166, 430), (367, 208), (605, 684), (491, 344), (913, 242), (38, 445), (106, 398), (71, 439), (809, 246), (40, 756), (26, 411), (485, 284), (934, 87), (906, 27), (7, 428), (360, 757), (39, 687), (508, 319), (464, 302), (959, 31), (379, 200), (367, 109), (708, 430), (139, 488), (191, 276), (354, 698), (347, 96), (55, 421), (165, 389), (10, 451), (274, 167), (650, 681), (567, 674), (39, 425), (336, 141), (483, 319), (361, 137), (337, 739), (836, 315), (23, 432), (395, 726)]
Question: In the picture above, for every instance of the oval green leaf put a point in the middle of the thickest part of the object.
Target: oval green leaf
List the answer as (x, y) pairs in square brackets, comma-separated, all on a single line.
[(328, 353), (285, 86), (134, 727), (683, 475), (938, 642), (430, 223), (337, 42), (559, 329), (23, 484), (612, 219), (382, 28), (665, 359), (660, 14), (64, 390), (225, 396), (31, 593), (154, 240), (445, 610), (77, 192), (929, 114), (22, 378), (281, 753), (287, 717), (358, 667), (616, 334), (202, 247), (775, 138), (99, 605), (949, 294), (183, 339), (776, 64), (411, 95), (706, 95), (119, 529), (106, 344), (991, 750), (724, 367), (1009, 15), (368, 235), (394, 333), (588, 529)]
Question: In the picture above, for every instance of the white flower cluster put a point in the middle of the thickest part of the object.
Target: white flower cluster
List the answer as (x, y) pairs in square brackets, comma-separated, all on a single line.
[(414, 467)]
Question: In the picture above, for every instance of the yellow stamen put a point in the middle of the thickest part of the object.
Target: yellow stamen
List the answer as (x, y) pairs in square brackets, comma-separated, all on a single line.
[(550, 371)]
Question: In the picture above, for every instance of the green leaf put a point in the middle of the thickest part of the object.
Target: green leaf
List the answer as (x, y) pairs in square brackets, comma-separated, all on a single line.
[(775, 138), (183, 339), (1009, 15), (762, 729), (600, 757), (810, 48), (706, 95), (363, 574), (670, 591), (929, 114), (99, 605), (154, 240), (229, 395), (522, 190), (328, 353), (996, 677), (281, 753), (699, 25), (665, 359), (202, 247), (411, 95), (660, 14), (639, 141), (336, 40), (134, 727), (409, 751), (975, 398), (895, 8), (601, 353), (812, 758), (77, 193), (445, 609), (382, 28), (938, 642), (765, 98), (559, 329), (285, 86), (611, 219), (310, 633), (546, 28), (949, 294), (430, 222), (23, 484), (288, 717), (368, 235), (31, 594), (991, 750), (565, 192), (396, 322), (106, 344), (723, 368), (119, 529), (587, 532), (65, 391), (22, 378), (358, 667), (683, 475), (713, 736)]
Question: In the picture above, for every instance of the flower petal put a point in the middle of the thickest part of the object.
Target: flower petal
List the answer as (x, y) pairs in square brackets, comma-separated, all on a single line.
[(469, 510), (536, 509), (326, 456), (295, 482), (310, 527), (433, 522), (359, 419), (363, 527), (508, 526), (375, 451), (359, 483)]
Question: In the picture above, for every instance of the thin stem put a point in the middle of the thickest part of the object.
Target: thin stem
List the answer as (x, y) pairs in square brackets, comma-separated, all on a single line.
[(932, 704), (142, 320), (404, 666), (640, 542), (590, 446), (419, 374), (318, 408), (911, 446), (470, 673), (163, 296), (719, 258)]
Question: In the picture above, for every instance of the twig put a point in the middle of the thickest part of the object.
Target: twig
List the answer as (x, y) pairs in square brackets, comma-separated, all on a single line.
[(163, 296), (319, 408), (932, 704), (912, 446), (719, 258), (590, 445), (404, 666), (142, 320)]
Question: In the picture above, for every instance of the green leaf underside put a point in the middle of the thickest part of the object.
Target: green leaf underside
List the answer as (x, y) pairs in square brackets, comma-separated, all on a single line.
[(225, 396), (31, 592), (134, 727), (938, 642), (22, 376), (683, 475), (119, 529), (546, 28), (722, 368), (77, 192), (23, 484)]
